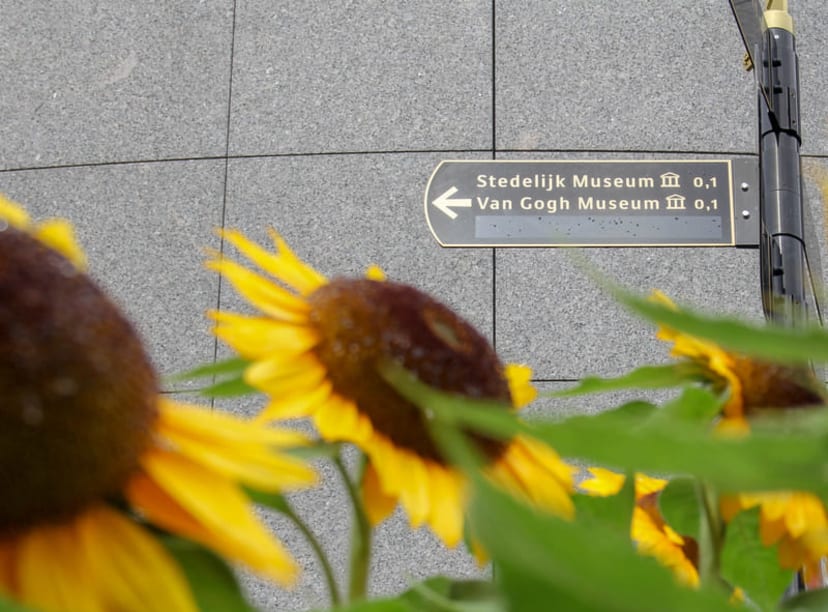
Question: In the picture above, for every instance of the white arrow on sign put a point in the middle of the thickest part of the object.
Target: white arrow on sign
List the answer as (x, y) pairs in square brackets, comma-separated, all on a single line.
[(445, 202)]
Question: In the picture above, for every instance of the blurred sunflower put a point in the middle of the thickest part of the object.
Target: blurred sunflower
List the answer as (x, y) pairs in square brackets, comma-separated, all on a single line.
[(794, 521), (652, 535), (93, 461), (751, 384), (316, 349)]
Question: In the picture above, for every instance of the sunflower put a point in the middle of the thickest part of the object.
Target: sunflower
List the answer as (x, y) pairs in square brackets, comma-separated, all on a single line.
[(93, 462), (316, 347), (652, 535), (751, 384), (795, 521)]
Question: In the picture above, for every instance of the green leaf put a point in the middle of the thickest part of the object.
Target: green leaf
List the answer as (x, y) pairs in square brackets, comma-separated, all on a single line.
[(680, 507), (693, 406), (211, 580), (647, 377), (444, 595), (392, 604), (317, 450), (437, 594), (545, 563), (612, 511), (274, 501), (746, 563), (231, 375), (630, 438), (810, 601), (765, 460), (229, 388), (775, 343), (7, 605), (234, 365)]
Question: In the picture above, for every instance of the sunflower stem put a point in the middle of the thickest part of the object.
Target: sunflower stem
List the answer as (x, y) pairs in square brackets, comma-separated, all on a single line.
[(360, 532), (711, 537), (333, 588)]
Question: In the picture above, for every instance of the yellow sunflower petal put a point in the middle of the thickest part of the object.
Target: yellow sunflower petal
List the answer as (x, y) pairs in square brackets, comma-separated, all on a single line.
[(414, 490), (652, 540), (153, 501), (130, 567), (401, 474), (279, 376), (339, 419), (718, 363), (297, 405), (525, 477), (220, 515), (237, 449), (546, 457), (645, 485), (222, 428), (303, 382), (271, 299), (480, 554), (374, 272), (448, 499), (98, 561), (283, 265), (815, 541), (12, 213), (732, 427), (646, 532), (378, 505), (303, 276), (805, 512), (50, 571), (390, 464), (792, 555), (775, 505), (59, 235), (771, 530), (672, 535), (259, 337), (603, 482), (519, 378)]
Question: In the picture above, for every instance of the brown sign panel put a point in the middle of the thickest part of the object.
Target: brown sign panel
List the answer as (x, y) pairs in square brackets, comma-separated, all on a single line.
[(591, 203)]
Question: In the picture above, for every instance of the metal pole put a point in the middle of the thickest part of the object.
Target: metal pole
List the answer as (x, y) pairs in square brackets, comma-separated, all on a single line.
[(782, 236), (783, 263)]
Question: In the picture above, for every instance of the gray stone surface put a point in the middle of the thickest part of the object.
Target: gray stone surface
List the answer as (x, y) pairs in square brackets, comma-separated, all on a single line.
[(629, 76), (344, 213), (815, 181), (361, 76), (811, 32), (335, 113), (144, 228), (87, 82)]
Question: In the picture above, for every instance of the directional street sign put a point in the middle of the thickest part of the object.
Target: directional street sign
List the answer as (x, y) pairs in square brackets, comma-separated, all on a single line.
[(594, 203)]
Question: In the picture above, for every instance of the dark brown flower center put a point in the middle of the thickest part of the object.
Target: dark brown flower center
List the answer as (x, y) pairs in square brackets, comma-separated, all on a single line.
[(364, 323), (772, 385), (77, 391)]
